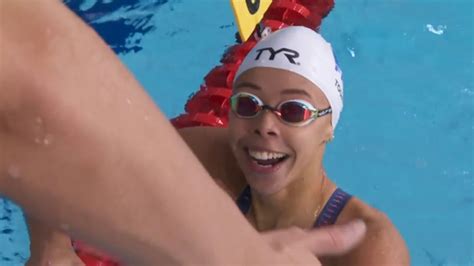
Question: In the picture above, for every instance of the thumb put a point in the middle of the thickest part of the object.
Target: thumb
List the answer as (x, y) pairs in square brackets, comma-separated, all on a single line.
[(334, 239)]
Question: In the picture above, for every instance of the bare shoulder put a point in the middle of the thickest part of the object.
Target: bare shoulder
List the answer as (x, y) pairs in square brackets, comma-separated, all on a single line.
[(383, 244), (211, 147), (209, 144), (204, 139)]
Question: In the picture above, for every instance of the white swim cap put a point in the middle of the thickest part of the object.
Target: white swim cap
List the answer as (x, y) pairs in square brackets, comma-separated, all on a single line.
[(304, 52)]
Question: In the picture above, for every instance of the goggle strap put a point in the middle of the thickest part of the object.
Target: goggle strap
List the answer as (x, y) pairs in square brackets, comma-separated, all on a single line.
[(324, 112)]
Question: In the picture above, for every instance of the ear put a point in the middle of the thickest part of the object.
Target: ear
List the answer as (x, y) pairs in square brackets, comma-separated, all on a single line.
[(328, 134)]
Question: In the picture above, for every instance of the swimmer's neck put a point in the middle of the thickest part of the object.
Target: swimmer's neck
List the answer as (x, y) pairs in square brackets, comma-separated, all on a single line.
[(298, 204)]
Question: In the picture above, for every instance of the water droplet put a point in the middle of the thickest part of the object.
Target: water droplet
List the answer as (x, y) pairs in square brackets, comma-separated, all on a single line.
[(48, 139), (13, 171), (65, 227), (39, 120), (129, 102), (146, 118)]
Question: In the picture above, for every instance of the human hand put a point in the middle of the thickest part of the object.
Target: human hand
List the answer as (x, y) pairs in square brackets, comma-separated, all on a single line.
[(303, 247)]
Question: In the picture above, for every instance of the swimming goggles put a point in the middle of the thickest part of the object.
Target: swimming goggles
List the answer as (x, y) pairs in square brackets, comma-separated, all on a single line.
[(292, 112)]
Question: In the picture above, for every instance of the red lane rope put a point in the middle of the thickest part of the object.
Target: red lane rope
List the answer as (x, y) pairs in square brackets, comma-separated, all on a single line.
[(209, 106)]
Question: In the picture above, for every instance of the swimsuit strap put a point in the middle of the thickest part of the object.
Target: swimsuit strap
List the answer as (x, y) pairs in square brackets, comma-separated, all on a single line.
[(244, 200), (328, 216), (333, 208)]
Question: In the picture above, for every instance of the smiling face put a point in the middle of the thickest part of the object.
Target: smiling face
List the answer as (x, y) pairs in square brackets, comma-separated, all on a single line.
[(273, 154)]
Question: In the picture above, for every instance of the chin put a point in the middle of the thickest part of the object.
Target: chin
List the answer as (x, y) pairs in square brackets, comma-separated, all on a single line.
[(267, 184)]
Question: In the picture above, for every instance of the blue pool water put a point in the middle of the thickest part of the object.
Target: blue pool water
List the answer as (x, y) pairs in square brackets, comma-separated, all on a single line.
[(405, 140)]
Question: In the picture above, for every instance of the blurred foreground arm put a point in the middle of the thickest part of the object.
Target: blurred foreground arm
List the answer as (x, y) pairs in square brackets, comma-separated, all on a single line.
[(84, 149)]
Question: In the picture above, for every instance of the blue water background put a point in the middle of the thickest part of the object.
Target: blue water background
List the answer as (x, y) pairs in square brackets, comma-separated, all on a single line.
[(405, 140)]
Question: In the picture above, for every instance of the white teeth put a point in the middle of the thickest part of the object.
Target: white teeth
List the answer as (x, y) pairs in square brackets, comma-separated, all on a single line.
[(263, 155)]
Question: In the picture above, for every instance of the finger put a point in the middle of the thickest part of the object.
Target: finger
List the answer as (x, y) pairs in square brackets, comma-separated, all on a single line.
[(284, 236), (334, 240)]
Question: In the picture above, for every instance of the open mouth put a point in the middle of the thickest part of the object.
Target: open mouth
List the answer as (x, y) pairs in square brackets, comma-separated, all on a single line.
[(266, 159)]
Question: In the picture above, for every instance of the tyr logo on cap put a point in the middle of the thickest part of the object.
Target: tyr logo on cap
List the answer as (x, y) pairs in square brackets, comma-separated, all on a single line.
[(291, 55)]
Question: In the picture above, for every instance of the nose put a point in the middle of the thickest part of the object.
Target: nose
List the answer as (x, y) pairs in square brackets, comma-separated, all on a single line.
[(266, 124)]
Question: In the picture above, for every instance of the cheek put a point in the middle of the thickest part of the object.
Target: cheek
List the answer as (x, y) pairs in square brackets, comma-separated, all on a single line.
[(302, 151), (236, 131), (305, 145)]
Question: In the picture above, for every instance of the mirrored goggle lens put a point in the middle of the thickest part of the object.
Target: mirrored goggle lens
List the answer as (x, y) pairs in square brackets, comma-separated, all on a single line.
[(295, 112), (245, 105)]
